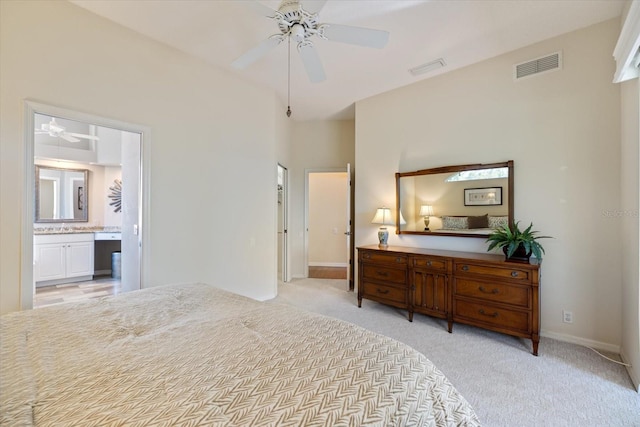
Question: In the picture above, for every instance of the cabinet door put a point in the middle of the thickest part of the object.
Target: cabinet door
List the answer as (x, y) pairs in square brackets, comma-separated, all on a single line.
[(79, 259), (49, 262), (430, 292)]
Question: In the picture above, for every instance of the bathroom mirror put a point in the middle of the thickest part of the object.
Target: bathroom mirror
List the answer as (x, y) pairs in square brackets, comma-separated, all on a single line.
[(61, 195), (460, 200)]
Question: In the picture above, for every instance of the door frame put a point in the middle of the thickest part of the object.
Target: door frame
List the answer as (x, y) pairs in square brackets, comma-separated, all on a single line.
[(305, 270), (32, 107)]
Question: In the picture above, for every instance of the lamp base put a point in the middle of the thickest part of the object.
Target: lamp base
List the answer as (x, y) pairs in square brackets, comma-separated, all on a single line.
[(383, 237)]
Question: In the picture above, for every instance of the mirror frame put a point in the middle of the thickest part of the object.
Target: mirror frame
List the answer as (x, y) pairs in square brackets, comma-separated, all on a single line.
[(37, 218), (451, 169)]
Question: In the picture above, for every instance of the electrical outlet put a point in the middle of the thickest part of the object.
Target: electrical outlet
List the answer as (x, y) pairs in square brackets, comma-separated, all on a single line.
[(567, 316)]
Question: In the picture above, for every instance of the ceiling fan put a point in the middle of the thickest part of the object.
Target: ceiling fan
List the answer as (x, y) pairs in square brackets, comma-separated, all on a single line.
[(57, 131), (300, 24)]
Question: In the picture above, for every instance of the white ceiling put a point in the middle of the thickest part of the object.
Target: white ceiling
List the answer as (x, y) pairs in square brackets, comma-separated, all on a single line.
[(462, 32)]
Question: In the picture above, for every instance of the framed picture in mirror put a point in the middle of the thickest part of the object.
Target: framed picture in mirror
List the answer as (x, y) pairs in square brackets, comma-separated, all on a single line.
[(483, 196)]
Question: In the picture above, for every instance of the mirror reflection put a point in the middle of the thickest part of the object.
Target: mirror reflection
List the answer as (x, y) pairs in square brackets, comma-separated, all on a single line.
[(460, 200), (61, 195)]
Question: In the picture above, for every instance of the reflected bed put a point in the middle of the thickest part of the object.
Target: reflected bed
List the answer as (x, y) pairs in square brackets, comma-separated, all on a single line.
[(195, 355)]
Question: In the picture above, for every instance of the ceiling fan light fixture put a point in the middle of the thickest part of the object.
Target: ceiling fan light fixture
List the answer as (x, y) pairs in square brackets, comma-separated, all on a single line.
[(301, 23), (428, 67), (297, 32)]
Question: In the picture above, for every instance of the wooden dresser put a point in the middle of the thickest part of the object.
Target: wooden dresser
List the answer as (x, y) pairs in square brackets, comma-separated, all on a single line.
[(477, 289)]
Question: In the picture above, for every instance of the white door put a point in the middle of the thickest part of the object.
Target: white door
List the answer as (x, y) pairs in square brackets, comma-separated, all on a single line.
[(131, 242), (282, 224)]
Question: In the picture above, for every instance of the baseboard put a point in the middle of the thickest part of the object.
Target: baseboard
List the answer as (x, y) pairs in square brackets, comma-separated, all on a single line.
[(327, 264), (612, 348), (102, 273), (632, 374)]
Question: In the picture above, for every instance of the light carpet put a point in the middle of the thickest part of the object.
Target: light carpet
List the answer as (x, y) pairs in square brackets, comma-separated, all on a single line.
[(566, 385)]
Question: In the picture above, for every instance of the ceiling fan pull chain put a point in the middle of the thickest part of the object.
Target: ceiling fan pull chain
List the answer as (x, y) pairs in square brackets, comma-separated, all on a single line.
[(289, 77)]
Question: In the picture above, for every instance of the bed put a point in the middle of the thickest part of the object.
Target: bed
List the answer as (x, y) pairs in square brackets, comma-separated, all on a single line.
[(192, 354)]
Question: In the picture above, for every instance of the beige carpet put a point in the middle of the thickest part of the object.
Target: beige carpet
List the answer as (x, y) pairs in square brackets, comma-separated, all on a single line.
[(566, 385)]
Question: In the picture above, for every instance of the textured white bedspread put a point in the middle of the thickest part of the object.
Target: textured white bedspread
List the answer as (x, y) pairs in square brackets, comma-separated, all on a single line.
[(195, 355)]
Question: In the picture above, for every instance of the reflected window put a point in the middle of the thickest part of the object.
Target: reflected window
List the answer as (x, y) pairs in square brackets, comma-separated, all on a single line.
[(474, 175)]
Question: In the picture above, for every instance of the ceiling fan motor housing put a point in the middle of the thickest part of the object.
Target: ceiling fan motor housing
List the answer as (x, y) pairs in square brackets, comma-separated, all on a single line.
[(296, 21)]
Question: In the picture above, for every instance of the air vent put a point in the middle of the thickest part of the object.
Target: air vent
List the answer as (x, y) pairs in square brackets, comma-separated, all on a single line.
[(538, 66), (429, 66)]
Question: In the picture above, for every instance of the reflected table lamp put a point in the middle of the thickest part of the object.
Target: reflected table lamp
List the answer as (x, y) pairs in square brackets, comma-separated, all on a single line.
[(383, 217), (426, 211)]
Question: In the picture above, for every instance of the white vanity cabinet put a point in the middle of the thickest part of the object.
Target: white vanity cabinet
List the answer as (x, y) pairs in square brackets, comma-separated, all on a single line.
[(62, 258)]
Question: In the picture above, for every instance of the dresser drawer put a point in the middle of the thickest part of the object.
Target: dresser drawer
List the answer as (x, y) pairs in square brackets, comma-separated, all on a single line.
[(390, 293), (507, 294), (512, 273), (501, 318), (384, 273), (385, 258), (430, 263)]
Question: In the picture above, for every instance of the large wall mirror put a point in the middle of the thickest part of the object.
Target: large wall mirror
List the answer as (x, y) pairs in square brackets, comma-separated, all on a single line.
[(61, 195), (460, 200)]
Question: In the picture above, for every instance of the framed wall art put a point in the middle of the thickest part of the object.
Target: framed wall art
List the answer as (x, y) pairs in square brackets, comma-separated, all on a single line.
[(483, 196)]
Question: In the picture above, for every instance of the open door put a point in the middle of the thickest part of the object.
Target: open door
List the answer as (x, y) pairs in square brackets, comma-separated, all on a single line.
[(282, 224), (349, 231)]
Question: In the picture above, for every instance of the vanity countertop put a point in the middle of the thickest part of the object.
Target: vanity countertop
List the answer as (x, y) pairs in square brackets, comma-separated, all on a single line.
[(74, 230)]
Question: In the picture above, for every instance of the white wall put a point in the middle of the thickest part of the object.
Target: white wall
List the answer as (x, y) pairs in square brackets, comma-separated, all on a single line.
[(314, 145), (328, 219), (562, 129), (213, 143), (630, 218)]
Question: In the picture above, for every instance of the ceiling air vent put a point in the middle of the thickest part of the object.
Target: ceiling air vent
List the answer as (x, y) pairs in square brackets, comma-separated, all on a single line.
[(538, 66)]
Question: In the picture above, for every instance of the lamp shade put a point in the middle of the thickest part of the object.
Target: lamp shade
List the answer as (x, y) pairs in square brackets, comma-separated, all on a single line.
[(383, 216), (402, 220), (426, 210)]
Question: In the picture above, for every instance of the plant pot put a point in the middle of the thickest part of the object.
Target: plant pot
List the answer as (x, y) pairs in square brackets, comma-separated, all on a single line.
[(520, 255)]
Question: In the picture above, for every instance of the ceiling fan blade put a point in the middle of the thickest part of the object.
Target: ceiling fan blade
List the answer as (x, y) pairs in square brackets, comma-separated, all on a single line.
[(355, 35), (257, 52), (68, 137), (261, 9), (311, 62), (313, 6), (82, 135)]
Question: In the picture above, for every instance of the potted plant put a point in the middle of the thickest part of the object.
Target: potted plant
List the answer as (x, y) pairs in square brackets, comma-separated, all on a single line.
[(517, 245)]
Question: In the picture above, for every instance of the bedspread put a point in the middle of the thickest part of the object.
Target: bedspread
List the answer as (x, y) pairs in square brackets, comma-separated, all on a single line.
[(193, 354)]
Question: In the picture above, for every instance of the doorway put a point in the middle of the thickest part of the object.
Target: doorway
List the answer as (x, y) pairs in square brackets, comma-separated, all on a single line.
[(282, 206), (328, 252), (113, 153)]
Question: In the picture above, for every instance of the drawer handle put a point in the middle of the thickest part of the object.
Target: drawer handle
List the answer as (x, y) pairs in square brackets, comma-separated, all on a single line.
[(429, 263), (492, 291), (382, 273), (366, 256), (399, 259), (384, 292), (465, 268), (481, 311), (514, 274)]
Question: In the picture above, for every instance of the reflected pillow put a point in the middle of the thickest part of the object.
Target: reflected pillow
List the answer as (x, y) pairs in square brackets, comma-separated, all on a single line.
[(455, 222), (479, 221), (498, 221)]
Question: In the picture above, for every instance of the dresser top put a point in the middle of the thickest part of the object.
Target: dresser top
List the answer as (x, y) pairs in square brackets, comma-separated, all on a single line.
[(487, 257)]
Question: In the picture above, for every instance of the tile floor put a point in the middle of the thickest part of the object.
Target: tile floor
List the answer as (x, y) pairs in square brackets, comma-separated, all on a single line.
[(77, 291)]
